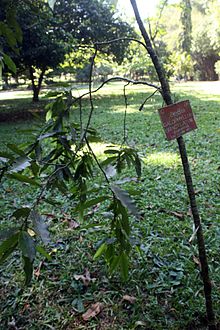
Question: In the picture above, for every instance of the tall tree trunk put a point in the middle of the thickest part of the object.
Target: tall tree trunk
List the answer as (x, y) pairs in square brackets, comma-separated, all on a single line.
[(186, 20), (36, 87), (200, 240), (206, 66), (209, 68)]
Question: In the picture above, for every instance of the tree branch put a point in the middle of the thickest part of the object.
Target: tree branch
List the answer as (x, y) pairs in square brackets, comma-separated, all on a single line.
[(118, 78), (153, 36), (107, 42)]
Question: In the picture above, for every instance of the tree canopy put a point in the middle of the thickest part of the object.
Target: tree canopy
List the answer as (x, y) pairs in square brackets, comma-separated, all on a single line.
[(49, 35), (191, 37)]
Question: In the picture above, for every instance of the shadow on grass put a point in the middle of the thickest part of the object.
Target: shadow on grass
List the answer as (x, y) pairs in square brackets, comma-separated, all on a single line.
[(17, 105)]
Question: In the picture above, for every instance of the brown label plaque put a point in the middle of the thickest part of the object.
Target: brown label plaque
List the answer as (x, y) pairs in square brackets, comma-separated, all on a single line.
[(177, 119)]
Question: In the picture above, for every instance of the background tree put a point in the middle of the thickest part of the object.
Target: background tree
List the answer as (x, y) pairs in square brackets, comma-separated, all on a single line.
[(43, 45), (193, 45), (184, 55), (87, 22), (186, 20), (49, 36), (206, 42)]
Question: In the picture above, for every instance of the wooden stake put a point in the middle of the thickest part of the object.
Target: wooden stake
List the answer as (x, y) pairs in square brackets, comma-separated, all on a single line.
[(186, 168)]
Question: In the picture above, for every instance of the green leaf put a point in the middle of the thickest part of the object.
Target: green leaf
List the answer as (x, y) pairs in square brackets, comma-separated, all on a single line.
[(23, 178), (27, 245), (111, 151), (114, 264), (95, 201), (44, 253), (124, 266), (34, 168), (16, 150), (9, 34), (138, 166), (100, 251), (125, 200), (110, 251), (7, 155), (20, 164), (52, 202), (21, 212), (40, 227), (13, 24), (61, 186), (8, 246), (125, 226), (28, 269), (9, 62), (109, 160), (49, 115)]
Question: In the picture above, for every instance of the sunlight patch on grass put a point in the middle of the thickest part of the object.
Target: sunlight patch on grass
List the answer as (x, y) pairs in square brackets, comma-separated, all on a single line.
[(134, 109), (99, 148), (12, 95), (121, 109), (202, 87), (167, 159)]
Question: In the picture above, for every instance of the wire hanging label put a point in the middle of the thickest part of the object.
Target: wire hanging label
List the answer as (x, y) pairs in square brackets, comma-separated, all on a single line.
[(177, 119)]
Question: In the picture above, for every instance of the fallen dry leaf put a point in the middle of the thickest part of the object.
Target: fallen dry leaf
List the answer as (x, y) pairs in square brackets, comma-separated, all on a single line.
[(73, 224), (198, 191), (49, 215), (86, 278), (197, 261), (130, 299), (193, 235), (8, 190), (176, 214), (25, 308), (94, 310), (93, 211), (38, 269), (140, 324), (189, 213)]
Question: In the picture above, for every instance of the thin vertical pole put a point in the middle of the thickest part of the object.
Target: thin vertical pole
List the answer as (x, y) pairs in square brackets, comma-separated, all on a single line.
[(187, 173)]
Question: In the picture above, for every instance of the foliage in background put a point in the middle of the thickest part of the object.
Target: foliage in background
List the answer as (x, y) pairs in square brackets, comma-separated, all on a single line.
[(49, 36), (197, 36)]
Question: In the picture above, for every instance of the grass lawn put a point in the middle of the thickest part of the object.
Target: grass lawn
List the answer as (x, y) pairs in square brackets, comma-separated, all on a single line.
[(164, 289)]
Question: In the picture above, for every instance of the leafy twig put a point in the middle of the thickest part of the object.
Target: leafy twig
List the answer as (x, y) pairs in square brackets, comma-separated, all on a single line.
[(118, 78)]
